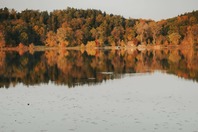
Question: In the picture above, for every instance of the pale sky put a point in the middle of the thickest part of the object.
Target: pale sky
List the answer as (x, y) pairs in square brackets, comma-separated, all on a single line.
[(148, 9)]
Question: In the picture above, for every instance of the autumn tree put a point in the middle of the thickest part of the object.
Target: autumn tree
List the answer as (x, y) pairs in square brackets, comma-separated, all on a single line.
[(79, 36), (51, 39), (174, 38), (155, 30), (142, 30), (117, 34), (129, 34), (61, 36), (2, 40), (102, 33), (94, 33)]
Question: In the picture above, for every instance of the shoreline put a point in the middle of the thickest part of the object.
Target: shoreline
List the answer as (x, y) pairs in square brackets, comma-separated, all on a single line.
[(140, 48)]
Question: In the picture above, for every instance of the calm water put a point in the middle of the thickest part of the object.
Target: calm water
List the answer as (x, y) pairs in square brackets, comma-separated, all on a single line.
[(111, 91)]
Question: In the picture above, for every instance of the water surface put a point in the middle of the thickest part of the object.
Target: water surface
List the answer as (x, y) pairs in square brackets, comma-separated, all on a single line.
[(98, 91)]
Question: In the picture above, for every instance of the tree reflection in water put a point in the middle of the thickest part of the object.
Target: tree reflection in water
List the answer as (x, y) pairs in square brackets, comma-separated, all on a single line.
[(78, 67)]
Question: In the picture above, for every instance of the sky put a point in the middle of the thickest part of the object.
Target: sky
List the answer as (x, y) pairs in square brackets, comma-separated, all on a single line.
[(147, 9)]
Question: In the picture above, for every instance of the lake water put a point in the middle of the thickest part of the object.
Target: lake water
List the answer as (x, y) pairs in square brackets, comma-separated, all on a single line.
[(100, 91)]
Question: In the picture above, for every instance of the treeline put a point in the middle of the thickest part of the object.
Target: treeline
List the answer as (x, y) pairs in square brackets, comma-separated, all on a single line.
[(77, 27)]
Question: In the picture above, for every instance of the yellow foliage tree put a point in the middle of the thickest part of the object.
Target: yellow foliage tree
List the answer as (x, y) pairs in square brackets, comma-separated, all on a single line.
[(51, 39), (174, 38)]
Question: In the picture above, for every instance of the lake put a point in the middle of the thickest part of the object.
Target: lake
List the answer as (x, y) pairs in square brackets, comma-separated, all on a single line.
[(99, 90)]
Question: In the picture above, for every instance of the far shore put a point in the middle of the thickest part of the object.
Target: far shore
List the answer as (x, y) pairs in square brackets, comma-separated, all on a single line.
[(140, 48)]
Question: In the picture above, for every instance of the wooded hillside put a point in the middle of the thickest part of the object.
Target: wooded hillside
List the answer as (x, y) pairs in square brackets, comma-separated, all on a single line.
[(76, 27)]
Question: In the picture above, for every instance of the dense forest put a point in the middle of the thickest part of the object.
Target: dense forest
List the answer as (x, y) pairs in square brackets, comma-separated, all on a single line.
[(77, 27)]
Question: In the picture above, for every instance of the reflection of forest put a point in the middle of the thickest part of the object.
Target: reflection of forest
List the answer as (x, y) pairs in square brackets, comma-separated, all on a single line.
[(76, 67)]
